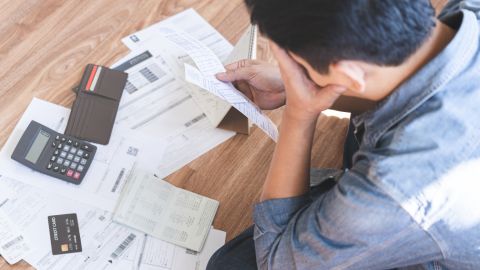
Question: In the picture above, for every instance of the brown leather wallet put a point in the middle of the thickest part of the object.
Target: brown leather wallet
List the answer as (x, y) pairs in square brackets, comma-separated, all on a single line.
[(95, 108)]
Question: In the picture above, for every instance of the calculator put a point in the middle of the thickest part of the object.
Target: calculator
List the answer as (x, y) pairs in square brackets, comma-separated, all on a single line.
[(54, 154)]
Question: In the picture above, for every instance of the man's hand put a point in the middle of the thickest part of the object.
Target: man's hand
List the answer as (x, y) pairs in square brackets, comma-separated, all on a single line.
[(304, 99), (288, 175), (259, 81)]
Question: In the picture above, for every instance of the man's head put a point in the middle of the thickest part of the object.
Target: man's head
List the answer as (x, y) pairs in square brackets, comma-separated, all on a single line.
[(332, 38)]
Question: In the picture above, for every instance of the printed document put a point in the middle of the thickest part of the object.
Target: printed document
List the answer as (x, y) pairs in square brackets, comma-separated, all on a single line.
[(209, 65), (106, 176), (106, 244), (13, 246), (28, 208), (157, 104), (149, 253), (191, 22), (160, 209)]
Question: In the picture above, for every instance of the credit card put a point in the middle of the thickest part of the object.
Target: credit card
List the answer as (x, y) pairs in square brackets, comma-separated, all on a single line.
[(64, 234), (91, 77), (95, 79)]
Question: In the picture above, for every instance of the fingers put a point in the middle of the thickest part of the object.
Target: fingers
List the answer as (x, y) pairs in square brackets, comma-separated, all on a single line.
[(326, 96), (241, 64), (237, 71)]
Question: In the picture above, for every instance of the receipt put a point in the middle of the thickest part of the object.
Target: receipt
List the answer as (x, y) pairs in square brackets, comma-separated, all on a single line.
[(229, 93), (209, 65)]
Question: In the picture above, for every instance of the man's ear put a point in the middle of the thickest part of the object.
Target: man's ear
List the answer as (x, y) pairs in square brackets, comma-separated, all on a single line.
[(352, 74)]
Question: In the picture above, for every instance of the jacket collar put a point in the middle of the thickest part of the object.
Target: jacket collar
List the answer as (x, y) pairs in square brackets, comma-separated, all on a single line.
[(428, 81)]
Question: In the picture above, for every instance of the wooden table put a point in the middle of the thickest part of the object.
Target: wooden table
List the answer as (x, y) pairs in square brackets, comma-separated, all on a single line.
[(46, 44)]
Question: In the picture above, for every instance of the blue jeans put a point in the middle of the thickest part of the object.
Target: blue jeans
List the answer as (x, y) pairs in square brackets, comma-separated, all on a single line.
[(239, 253)]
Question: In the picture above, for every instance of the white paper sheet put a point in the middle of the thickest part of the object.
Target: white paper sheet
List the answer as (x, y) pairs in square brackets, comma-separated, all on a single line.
[(224, 90), (13, 246), (28, 208), (148, 253), (209, 65), (160, 209), (164, 109), (191, 22), (105, 178), (106, 245)]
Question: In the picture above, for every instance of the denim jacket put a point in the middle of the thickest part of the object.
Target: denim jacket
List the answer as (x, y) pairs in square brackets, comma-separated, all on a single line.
[(412, 198)]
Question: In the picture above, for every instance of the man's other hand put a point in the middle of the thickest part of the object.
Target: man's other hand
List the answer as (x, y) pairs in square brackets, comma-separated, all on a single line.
[(304, 99)]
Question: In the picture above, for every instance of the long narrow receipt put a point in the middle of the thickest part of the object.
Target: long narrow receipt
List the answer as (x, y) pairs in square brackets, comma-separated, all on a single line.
[(221, 89), (209, 65), (160, 209)]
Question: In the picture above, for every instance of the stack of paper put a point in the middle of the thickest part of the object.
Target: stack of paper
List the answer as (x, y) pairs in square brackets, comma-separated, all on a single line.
[(162, 100), (27, 198), (162, 210), (106, 245), (167, 117)]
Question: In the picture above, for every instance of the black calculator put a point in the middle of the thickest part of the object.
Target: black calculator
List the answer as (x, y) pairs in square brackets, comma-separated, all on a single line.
[(54, 154)]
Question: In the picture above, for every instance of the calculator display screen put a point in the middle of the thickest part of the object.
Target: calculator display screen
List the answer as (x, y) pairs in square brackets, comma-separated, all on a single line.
[(37, 147)]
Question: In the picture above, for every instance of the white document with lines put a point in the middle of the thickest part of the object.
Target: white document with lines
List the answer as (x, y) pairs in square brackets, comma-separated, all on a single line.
[(160, 102), (105, 178), (209, 65), (191, 22), (106, 244), (28, 208), (157, 103), (160, 209)]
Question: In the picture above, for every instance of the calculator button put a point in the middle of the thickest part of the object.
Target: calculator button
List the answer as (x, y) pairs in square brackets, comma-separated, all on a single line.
[(63, 139), (53, 158), (76, 159), (60, 160), (54, 144), (56, 152), (86, 147), (63, 154), (80, 152), (80, 168), (56, 168), (60, 146), (57, 138), (69, 141), (66, 163), (76, 175), (49, 166), (70, 173), (70, 156), (86, 155), (66, 148), (73, 150), (76, 144), (73, 165), (63, 170), (83, 161)]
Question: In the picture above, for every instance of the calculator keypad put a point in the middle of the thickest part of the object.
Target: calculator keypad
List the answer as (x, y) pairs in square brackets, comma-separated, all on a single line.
[(69, 157)]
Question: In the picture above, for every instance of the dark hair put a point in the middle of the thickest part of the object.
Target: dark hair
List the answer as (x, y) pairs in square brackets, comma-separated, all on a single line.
[(382, 32)]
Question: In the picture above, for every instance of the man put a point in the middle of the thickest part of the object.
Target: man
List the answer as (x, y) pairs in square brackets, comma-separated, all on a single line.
[(410, 197)]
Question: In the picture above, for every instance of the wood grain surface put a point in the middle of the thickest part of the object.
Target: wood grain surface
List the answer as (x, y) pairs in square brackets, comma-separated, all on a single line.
[(46, 44)]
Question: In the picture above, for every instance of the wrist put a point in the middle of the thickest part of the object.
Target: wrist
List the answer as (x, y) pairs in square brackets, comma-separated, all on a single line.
[(300, 116)]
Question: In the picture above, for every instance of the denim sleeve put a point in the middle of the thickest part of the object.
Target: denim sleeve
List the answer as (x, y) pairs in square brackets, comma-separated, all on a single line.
[(353, 226), (454, 6)]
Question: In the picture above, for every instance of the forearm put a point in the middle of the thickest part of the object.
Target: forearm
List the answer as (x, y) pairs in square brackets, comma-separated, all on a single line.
[(288, 175)]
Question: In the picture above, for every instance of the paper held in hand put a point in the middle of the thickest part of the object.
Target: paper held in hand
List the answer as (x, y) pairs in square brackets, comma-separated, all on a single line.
[(209, 65), (160, 209)]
